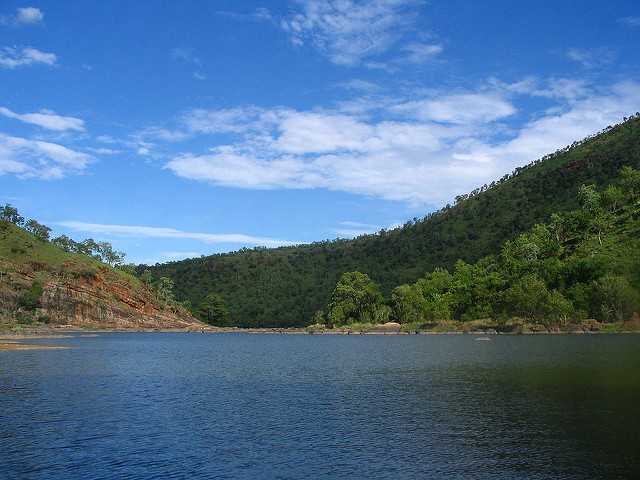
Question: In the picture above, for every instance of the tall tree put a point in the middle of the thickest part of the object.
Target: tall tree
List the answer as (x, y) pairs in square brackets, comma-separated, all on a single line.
[(10, 214), (39, 230), (213, 310), (356, 298)]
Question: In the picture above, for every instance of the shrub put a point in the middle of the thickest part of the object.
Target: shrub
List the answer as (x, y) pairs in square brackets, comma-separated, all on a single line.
[(614, 299), (30, 300)]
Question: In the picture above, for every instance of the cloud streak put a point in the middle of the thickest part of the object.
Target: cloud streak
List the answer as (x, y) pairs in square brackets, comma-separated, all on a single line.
[(14, 57), (46, 119), (139, 231)]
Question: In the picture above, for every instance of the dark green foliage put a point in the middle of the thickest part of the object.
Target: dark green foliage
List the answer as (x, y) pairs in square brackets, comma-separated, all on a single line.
[(213, 310), (30, 300), (285, 286), (614, 299), (543, 276), (356, 299)]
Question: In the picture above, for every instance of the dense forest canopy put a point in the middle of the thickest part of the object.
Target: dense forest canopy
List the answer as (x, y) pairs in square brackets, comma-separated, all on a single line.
[(285, 286), (583, 264)]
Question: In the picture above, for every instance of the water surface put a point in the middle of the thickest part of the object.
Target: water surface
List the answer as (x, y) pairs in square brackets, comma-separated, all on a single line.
[(144, 406)]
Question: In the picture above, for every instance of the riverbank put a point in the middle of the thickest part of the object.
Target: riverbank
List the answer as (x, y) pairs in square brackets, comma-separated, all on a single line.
[(479, 327)]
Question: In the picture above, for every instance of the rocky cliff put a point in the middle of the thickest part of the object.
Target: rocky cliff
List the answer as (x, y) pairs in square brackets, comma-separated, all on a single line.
[(39, 283)]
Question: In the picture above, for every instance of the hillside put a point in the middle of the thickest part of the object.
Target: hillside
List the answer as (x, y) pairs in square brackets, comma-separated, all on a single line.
[(285, 286), (40, 283), (580, 270)]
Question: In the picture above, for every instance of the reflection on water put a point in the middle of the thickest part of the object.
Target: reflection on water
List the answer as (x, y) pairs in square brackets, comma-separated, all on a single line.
[(146, 406)]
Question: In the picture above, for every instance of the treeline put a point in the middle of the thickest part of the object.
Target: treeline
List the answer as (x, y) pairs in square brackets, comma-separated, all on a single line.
[(581, 264), (101, 251), (285, 286)]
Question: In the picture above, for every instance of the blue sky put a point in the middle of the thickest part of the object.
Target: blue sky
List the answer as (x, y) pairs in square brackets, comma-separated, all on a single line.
[(175, 129)]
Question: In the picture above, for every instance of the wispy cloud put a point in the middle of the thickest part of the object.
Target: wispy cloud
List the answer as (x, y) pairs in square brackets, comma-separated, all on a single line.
[(630, 21), (23, 16), (163, 232), (592, 57), (360, 85), (46, 119), (14, 57), (421, 52), (260, 14), (103, 151), (185, 55), (27, 158), (350, 31)]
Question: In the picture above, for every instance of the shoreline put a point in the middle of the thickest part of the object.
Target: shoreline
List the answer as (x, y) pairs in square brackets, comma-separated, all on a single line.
[(12, 340), (59, 332)]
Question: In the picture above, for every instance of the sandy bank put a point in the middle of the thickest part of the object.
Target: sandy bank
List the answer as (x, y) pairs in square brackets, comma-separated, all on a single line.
[(30, 346)]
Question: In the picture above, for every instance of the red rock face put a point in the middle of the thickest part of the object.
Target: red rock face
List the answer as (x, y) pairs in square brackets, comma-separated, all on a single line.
[(99, 301)]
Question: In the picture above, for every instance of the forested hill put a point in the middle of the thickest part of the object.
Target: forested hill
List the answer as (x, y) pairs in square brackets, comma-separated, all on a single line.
[(285, 286)]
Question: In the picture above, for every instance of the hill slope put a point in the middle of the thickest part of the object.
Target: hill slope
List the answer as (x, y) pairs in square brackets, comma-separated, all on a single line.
[(41, 283), (284, 286)]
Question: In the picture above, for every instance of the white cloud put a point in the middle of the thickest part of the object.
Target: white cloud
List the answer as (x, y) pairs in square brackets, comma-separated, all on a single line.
[(29, 15), (37, 159), (593, 57), (163, 232), (103, 151), (46, 119), (13, 57), (553, 88), (359, 85), (460, 108), (630, 21), (348, 31), (23, 16), (230, 120), (424, 151), (160, 133), (421, 52)]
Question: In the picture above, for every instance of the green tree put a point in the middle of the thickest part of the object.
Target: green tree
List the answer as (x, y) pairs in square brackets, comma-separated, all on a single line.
[(527, 297), (65, 243), (213, 310), (590, 198), (10, 214), (612, 198), (630, 181), (164, 291), (614, 299), (88, 247), (30, 300), (407, 304), (108, 255), (356, 298), (147, 277), (40, 231)]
